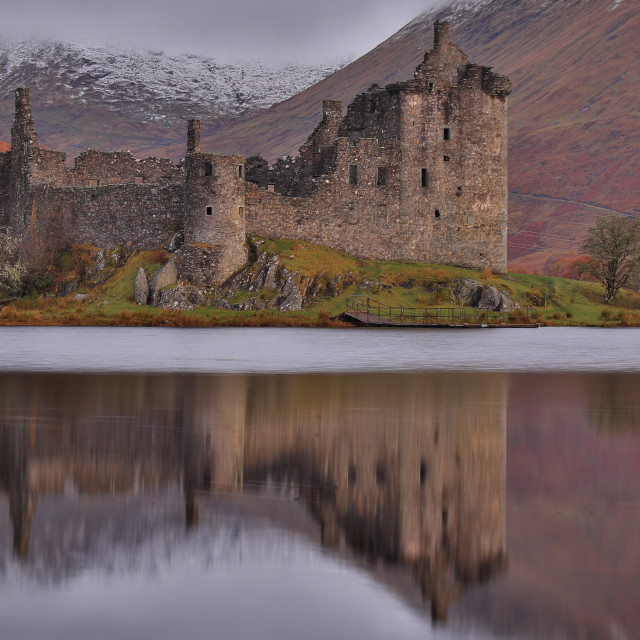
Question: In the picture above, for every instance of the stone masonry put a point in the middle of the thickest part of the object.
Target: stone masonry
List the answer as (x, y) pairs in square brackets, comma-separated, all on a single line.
[(414, 171)]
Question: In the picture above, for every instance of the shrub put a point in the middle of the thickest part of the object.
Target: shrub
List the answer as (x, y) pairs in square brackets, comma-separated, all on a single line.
[(12, 270), (535, 297)]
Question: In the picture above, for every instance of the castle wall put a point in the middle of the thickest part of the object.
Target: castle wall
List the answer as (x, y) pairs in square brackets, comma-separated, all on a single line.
[(112, 215), (5, 188), (99, 168)]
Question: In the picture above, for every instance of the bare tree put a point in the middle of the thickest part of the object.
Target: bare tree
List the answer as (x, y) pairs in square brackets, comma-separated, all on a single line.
[(613, 251)]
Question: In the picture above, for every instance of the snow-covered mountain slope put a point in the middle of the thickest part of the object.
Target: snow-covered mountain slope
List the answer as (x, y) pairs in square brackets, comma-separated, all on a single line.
[(141, 86)]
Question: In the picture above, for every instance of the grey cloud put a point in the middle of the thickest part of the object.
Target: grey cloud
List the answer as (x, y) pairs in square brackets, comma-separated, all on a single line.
[(272, 30)]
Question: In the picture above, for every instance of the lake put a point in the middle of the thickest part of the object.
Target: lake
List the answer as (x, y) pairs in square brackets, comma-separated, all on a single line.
[(290, 483)]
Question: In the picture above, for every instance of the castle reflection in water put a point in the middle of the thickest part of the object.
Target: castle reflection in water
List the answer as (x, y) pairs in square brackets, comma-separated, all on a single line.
[(407, 468)]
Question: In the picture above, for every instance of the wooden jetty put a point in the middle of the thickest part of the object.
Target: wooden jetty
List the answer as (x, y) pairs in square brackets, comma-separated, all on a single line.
[(363, 311)]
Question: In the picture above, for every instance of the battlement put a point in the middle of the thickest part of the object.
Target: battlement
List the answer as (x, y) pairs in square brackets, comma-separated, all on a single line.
[(441, 34), (193, 136), (23, 128)]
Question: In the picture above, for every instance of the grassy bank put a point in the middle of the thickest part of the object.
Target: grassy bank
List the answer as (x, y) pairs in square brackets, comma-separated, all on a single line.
[(109, 299)]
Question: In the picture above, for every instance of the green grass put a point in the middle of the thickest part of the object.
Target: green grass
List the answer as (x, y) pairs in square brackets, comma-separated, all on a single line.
[(556, 301)]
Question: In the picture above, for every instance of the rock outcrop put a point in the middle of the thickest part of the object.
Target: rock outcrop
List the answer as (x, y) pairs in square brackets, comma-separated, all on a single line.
[(472, 293), (166, 276)]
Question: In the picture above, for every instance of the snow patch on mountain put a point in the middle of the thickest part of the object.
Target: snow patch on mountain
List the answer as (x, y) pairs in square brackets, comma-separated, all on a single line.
[(109, 76)]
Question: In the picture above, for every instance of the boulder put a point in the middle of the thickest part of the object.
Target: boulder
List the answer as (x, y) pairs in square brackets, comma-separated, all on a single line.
[(291, 296), (271, 271), (490, 299), (141, 287), (495, 300), (166, 276), (182, 297), (466, 292)]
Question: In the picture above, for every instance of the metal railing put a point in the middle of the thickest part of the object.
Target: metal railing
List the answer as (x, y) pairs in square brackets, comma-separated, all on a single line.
[(373, 312)]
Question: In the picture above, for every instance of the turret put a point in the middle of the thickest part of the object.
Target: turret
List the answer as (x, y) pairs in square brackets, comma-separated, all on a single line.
[(214, 218), (24, 146), (440, 34), (23, 129), (193, 136)]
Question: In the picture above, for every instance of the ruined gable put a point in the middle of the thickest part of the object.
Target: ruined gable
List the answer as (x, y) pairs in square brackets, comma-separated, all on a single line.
[(415, 171)]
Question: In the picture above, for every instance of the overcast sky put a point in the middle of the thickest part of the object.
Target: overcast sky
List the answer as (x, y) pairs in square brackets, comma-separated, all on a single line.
[(271, 30)]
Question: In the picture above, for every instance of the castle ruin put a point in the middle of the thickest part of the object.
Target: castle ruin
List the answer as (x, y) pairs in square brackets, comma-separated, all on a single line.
[(415, 171)]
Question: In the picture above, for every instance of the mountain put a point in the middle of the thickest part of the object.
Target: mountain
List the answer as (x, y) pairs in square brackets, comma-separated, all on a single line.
[(114, 98), (574, 118)]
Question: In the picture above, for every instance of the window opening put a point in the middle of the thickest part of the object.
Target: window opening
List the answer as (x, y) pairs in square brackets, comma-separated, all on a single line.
[(208, 169), (425, 179), (423, 472), (459, 191), (447, 133), (271, 187), (437, 213), (447, 159), (382, 177), (353, 174), (209, 211), (241, 211), (240, 171)]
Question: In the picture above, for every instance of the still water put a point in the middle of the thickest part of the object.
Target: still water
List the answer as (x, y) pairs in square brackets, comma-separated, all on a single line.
[(326, 484)]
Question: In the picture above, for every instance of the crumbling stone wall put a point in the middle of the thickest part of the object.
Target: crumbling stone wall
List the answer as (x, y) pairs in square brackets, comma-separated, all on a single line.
[(416, 171), (111, 215), (106, 198)]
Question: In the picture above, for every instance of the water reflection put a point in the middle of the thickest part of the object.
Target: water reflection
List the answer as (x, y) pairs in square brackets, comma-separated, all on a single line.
[(409, 469)]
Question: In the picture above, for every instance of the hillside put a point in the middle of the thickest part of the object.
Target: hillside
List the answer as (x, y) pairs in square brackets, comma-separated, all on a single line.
[(574, 114), (87, 285)]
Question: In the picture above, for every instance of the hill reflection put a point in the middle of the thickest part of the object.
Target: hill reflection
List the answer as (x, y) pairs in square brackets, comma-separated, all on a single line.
[(410, 469)]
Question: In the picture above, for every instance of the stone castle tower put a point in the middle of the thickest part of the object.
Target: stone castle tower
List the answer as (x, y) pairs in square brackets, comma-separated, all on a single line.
[(214, 224)]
